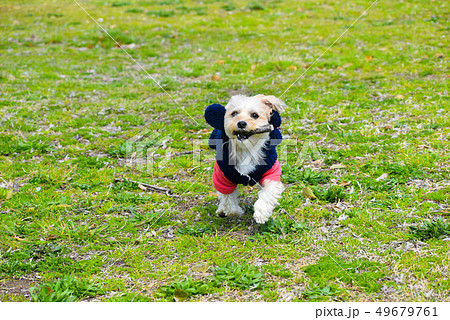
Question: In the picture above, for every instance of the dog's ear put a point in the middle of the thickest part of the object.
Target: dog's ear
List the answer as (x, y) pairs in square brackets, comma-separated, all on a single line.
[(273, 102), (215, 116)]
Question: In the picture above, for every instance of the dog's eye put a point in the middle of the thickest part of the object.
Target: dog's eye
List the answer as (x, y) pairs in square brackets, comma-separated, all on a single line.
[(254, 115), (234, 113)]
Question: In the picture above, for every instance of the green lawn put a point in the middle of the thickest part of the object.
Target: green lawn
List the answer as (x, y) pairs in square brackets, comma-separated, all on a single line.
[(365, 214)]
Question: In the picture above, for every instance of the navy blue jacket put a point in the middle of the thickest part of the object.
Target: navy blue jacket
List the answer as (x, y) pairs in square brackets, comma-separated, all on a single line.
[(218, 140)]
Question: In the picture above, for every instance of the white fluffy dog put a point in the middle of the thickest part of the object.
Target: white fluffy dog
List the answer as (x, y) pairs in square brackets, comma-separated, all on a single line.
[(245, 138)]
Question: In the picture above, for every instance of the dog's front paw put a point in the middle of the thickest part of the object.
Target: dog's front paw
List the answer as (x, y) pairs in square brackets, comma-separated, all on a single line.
[(234, 212), (231, 211), (220, 211), (262, 212)]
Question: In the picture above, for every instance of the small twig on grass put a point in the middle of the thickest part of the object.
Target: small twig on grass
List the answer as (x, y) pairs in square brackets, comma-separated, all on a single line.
[(145, 186), (176, 154), (442, 212)]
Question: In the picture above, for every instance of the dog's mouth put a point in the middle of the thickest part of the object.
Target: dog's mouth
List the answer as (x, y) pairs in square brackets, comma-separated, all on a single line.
[(243, 135)]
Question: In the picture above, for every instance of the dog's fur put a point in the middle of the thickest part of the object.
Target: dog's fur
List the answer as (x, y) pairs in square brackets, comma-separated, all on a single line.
[(246, 154)]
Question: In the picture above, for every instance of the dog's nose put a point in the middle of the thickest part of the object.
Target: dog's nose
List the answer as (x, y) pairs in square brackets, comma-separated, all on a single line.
[(241, 124)]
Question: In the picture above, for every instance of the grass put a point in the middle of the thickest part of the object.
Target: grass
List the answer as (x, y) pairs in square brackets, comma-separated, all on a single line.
[(360, 272), (66, 289), (317, 293), (364, 216), (330, 194), (181, 290), (431, 229), (307, 176), (242, 276), (282, 226)]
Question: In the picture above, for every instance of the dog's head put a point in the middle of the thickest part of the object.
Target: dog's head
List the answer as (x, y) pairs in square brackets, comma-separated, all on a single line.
[(244, 115)]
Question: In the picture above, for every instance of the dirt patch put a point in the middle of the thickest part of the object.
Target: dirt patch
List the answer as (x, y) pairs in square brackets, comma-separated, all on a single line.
[(16, 287)]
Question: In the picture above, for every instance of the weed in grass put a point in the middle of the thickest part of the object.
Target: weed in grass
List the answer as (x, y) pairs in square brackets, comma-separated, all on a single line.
[(125, 185), (7, 146), (293, 174), (13, 297), (255, 6), (41, 178), (371, 185), (241, 276), (331, 194), (320, 293), (134, 10), (360, 272), (162, 13), (34, 145), (229, 6), (128, 197), (442, 195), (182, 290), (282, 226), (404, 172), (17, 229), (432, 126), (152, 219), (17, 263), (130, 297), (195, 231), (120, 3), (118, 151), (82, 186), (91, 162), (277, 270), (6, 194), (431, 230), (66, 289)]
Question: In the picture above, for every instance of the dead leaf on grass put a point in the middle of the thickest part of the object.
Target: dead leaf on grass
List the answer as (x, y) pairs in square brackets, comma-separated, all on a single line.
[(180, 295), (318, 162), (308, 193), (9, 194), (51, 237), (140, 186), (384, 176), (201, 267), (338, 166)]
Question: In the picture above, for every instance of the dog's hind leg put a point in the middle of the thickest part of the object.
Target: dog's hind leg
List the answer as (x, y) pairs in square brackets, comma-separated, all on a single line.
[(229, 205), (267, 200)]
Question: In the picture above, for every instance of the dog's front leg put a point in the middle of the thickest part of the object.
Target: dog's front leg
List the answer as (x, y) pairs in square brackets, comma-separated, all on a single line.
[(267, 200), (229, 205)]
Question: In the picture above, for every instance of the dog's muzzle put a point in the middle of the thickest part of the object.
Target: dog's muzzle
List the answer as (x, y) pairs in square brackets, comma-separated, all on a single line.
[(242, 135)]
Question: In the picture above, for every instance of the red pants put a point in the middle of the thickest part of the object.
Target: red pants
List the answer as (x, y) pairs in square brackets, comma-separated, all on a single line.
[(225, 186)]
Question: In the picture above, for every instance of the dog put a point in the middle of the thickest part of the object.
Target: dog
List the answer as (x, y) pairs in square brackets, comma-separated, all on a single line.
[(245, 137)]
